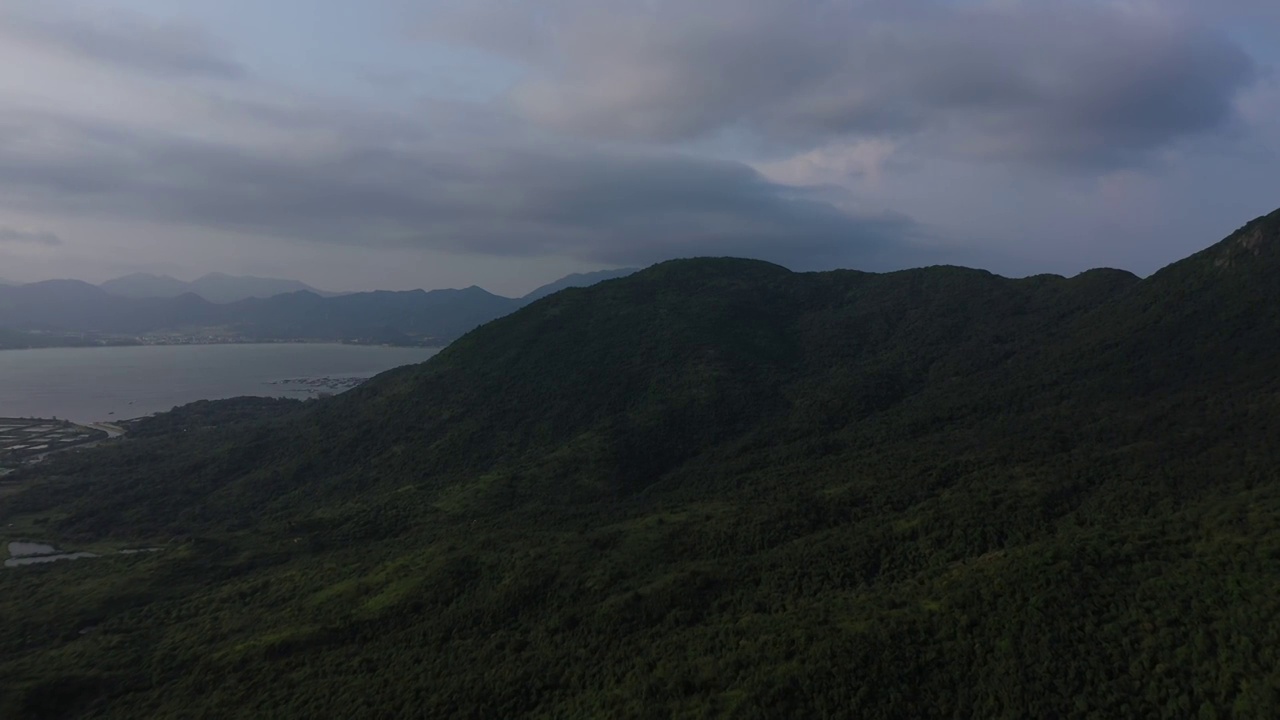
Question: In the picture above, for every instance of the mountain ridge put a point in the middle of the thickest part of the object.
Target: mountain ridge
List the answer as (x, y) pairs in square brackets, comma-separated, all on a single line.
[(216, 287), (222, 288)]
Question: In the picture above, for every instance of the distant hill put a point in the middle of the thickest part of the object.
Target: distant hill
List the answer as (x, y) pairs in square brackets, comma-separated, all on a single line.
[(214, 287), (412, 317), (379, 316), (56, 308), (577, 280), (220, 288), (144, 285), (61, 306)]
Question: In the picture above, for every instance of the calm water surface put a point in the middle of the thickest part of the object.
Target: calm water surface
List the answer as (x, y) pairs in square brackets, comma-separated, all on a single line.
[(28, 553), (41, 559), (96, 384), (25, 549)]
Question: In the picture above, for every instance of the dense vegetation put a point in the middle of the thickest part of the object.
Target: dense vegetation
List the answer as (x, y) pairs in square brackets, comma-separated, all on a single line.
[(713, 488)]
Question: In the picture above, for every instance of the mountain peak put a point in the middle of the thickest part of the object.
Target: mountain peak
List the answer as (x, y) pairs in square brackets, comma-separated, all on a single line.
[(707, 268), (223, 276), (147, 276), (1256, 239), (144, 285)]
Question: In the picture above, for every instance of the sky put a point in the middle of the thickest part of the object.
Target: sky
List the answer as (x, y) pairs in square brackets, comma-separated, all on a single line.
[(443, 143)]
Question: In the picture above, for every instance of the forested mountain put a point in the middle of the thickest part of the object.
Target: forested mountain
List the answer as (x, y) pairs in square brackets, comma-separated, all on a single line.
[(712, 488)]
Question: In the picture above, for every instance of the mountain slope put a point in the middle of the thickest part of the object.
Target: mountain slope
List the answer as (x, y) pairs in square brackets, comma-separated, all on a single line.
[(1206, 314), (712, 488)]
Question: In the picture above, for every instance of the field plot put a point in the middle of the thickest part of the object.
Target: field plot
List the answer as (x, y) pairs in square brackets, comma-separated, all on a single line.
[(22, 438)]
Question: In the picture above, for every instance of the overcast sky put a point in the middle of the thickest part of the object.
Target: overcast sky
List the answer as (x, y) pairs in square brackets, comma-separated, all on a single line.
[(398, 144)]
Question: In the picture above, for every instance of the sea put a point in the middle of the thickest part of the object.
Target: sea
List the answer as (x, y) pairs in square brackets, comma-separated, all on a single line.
[(88, 385)]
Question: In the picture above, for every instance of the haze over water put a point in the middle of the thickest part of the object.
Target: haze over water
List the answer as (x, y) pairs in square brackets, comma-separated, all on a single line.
[(90, 384)]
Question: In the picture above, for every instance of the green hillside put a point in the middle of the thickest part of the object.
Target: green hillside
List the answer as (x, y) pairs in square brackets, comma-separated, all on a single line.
[(715, 488)]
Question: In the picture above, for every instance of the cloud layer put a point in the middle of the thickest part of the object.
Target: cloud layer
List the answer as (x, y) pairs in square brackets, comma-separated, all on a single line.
[(586, 202), (123, 40), (866, 133), (1061, 83), (28, 237)]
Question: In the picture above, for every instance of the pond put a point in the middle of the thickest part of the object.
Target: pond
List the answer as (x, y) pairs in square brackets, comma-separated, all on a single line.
[(26, 549), (33, 559), (23, 552)]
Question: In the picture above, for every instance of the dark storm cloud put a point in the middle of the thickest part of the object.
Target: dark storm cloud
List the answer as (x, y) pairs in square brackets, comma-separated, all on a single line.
[(165, 49), (586, 202), (24, 237), (1061, 83)]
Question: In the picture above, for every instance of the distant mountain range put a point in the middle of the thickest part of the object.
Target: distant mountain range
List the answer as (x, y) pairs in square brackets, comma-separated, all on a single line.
[(139, 308), (214, 287)]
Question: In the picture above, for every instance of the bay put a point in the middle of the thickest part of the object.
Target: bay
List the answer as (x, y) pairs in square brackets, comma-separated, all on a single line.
[(115, 383)]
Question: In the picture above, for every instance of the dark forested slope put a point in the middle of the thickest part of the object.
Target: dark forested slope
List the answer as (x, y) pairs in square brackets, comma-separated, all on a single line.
[(712, 488)]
